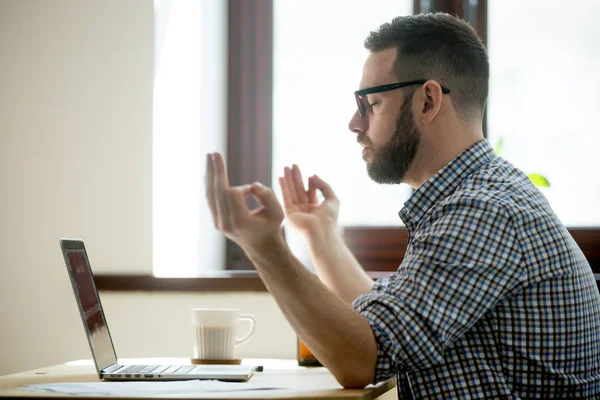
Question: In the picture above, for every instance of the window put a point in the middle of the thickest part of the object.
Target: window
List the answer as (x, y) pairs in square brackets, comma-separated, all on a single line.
[(189, 121), (536, 73), (544, 97)]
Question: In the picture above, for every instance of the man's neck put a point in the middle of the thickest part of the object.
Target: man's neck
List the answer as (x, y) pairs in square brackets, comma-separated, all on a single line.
[(433, 155)]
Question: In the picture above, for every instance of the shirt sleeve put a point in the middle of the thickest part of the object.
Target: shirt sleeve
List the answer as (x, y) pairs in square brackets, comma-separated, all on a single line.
[(462, 261)]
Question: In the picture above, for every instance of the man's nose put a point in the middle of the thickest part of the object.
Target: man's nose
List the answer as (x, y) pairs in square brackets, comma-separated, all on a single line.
[(357, 123)]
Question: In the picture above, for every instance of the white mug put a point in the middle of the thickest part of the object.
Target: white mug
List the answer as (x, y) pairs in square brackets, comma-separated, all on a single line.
[(216, 332)]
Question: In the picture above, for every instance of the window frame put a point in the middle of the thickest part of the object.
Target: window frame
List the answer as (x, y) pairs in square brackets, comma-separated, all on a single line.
[(249, 155), (249, 103)]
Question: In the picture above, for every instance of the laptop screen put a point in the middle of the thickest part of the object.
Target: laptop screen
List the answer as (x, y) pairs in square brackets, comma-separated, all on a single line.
[(89, 304)]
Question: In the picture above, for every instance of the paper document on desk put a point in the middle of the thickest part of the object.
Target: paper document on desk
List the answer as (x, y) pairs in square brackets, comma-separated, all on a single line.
[(146, 388)]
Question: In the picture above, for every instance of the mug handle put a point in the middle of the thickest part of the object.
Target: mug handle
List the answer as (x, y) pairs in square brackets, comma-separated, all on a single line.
[(250, 318)]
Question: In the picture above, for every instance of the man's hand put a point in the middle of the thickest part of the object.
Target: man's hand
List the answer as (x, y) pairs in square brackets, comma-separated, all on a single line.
[(334, 263), (231, 216), (302, 207)]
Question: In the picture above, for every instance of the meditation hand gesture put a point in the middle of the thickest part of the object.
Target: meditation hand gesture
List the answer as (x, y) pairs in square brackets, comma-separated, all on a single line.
[(231, 216), (302, 207)]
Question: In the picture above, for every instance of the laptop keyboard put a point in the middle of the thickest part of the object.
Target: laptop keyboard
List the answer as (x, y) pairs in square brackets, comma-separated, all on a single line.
[(155, 369), (165, 369)]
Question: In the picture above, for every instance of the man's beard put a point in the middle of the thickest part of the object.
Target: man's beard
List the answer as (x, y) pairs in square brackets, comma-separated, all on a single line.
[(391, 162)]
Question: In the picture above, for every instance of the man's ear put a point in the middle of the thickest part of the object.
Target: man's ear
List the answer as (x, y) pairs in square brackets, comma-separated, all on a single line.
[(431, 101)]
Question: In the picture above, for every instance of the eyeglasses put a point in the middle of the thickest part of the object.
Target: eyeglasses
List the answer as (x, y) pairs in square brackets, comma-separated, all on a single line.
[(360, 94)]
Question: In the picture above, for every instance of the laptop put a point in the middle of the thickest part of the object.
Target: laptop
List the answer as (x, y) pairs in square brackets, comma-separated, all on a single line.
[(101, 345)]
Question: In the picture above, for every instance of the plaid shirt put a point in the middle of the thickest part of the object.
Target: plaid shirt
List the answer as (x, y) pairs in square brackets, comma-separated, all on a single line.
[(494, 299)]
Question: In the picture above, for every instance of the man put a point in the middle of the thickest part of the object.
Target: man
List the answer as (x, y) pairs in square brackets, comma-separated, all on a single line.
[(493, 298)]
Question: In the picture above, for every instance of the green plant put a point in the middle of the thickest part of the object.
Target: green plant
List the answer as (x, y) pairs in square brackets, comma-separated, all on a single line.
[(537, 179)]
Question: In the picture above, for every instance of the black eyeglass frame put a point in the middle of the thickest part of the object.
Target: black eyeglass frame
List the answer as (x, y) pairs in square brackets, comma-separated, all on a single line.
[(362, 109)]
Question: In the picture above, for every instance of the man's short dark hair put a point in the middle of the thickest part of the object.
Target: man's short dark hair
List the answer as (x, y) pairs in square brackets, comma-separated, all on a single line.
[(440, 47)]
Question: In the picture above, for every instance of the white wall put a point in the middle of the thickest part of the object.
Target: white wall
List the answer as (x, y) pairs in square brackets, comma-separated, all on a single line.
[(75, 160)]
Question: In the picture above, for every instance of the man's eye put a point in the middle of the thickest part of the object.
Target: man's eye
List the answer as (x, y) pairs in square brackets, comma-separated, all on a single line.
[(373, 104)]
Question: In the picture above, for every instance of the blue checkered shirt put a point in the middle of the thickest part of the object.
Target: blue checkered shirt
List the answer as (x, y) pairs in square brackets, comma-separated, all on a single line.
[(494, 299)]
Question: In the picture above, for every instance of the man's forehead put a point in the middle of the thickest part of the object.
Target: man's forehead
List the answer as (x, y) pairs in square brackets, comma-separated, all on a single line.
[(379, 68)]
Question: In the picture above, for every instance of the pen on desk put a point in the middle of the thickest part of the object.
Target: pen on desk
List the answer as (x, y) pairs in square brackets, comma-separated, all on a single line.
[(258, 368)]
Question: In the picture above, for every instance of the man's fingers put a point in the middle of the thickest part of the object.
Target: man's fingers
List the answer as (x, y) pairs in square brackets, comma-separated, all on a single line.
[(312, 191), (220, 170), (272, 208), (236, 204), (209, 191), (220, 184), (289, 179), (324, 188), (285, 191), (299, 184)]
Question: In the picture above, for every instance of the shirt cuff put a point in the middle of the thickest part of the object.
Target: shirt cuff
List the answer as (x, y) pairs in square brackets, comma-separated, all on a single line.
[(385, 367)]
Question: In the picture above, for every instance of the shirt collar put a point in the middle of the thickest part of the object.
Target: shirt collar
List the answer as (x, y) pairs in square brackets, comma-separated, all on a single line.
[(445, 181)]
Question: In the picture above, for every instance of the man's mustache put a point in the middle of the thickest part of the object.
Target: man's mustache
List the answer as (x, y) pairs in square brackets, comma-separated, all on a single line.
[(363, 140)]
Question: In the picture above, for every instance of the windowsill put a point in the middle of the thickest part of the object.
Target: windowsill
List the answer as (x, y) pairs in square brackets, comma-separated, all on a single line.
[(379, 250), (218, 281)]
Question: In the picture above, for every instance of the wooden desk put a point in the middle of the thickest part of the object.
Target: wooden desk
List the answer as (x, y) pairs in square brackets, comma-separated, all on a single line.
[(302, 383)]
